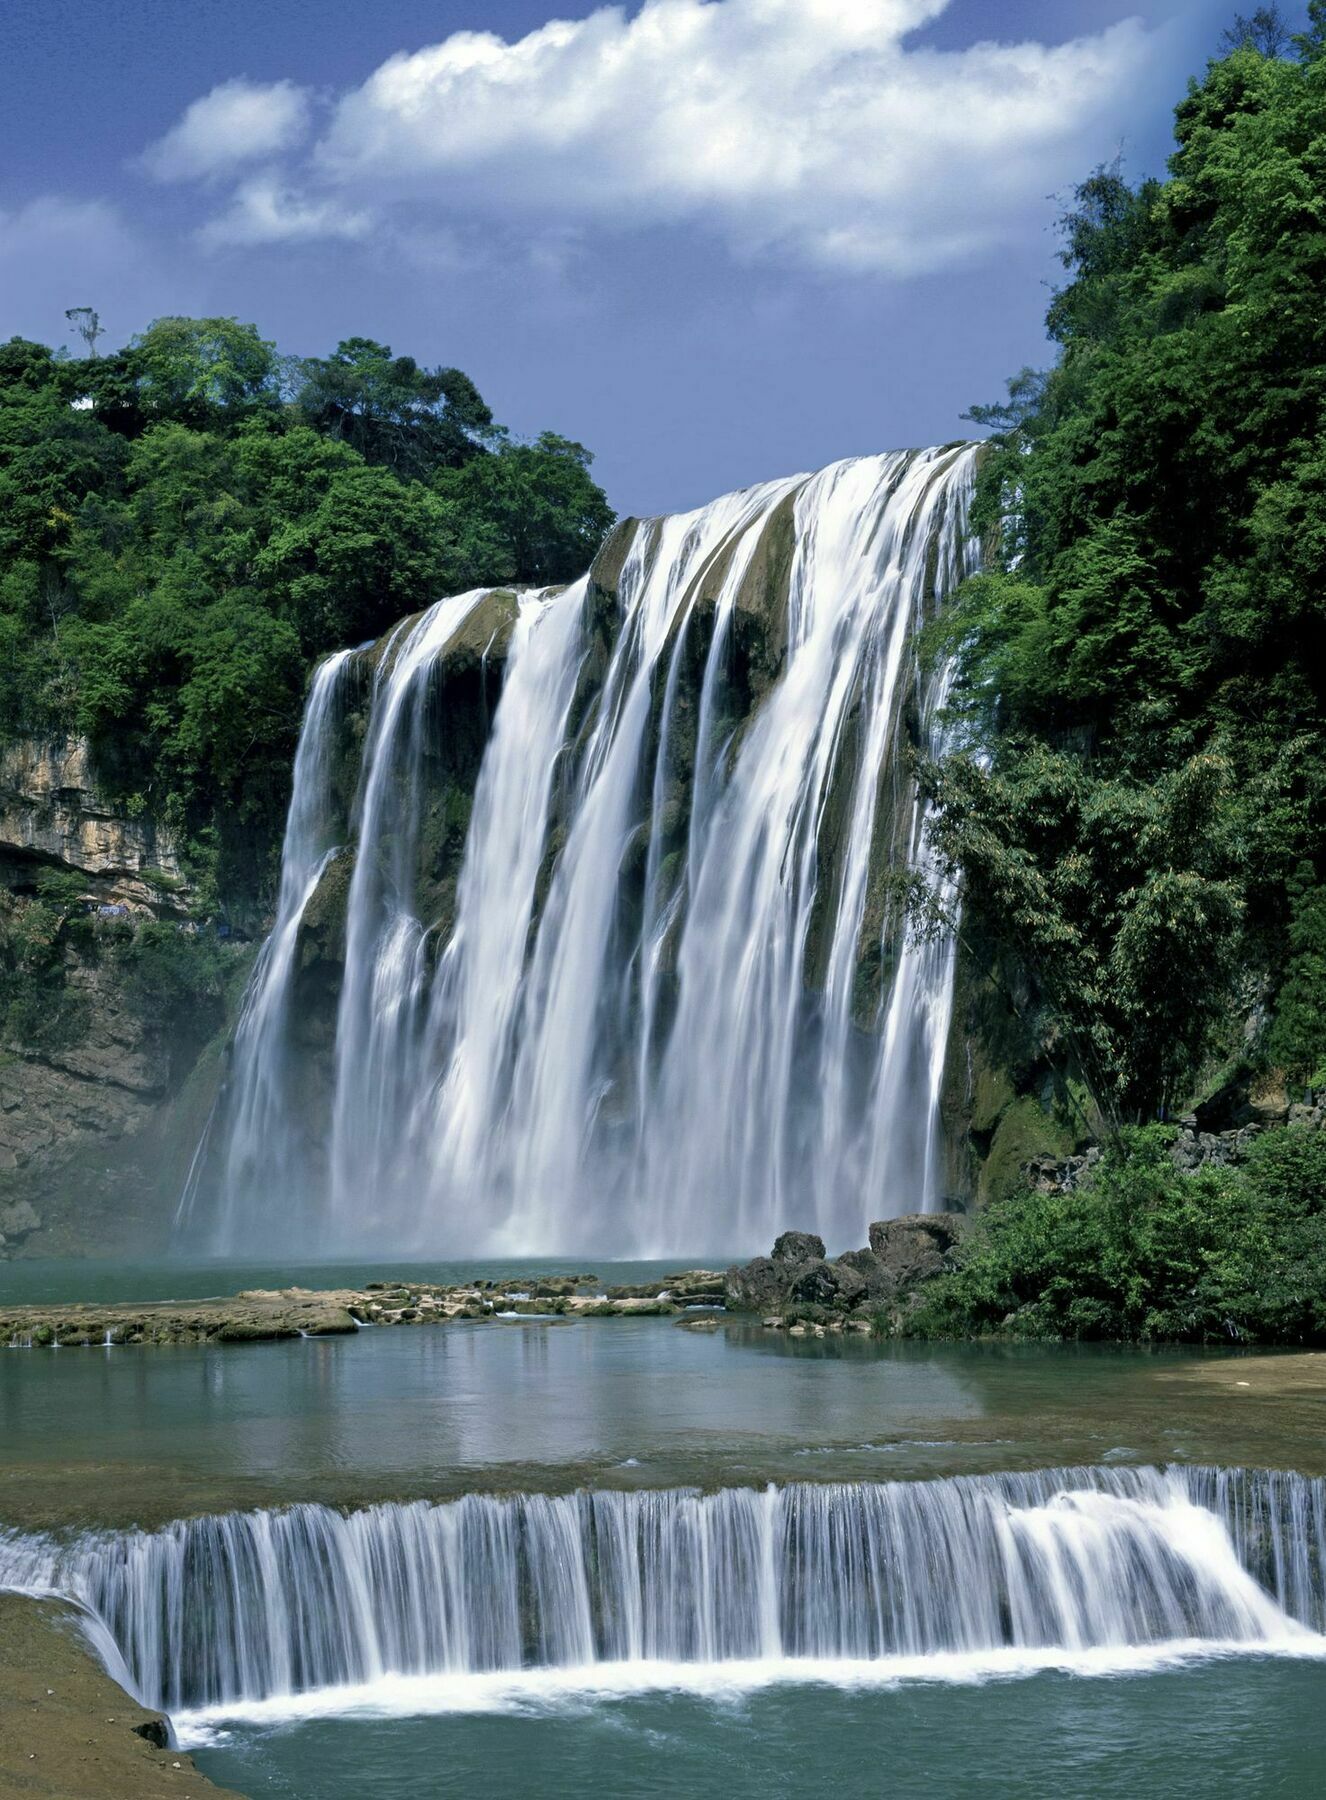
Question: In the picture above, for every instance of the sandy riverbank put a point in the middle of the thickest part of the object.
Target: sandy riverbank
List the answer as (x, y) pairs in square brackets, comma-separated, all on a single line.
[(67, 1732)]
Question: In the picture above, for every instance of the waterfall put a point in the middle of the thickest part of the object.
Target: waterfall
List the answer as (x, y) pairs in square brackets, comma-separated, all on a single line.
[(387, 943), (668, 1004), (218, 1612), (263, 1148)]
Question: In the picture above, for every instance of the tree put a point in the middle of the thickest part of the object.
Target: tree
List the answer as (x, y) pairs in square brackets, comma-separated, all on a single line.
[(410, 419), (1264, 31), (1297, 1039), (539, 504), (1149, 627), (173, 557), (202, 372), (87, 324)]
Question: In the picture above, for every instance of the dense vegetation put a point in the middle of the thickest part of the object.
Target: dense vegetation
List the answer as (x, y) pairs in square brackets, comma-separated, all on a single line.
[(188, 523), (1141, 1251), (1138, 811), (1137, 806)]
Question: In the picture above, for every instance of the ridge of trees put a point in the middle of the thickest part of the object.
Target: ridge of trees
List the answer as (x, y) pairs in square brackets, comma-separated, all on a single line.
[(188, 523)]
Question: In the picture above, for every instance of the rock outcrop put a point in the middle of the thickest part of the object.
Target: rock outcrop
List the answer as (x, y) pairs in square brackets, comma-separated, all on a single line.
[(873, 1288), (67, 1732), (270, 1314), (53, 809), (1193, 1147), (101, 1025)]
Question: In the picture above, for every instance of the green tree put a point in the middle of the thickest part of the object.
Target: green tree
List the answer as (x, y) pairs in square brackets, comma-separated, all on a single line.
[(392, 411), (203, 371), (187, 523), (1139, 679), (537, 504)]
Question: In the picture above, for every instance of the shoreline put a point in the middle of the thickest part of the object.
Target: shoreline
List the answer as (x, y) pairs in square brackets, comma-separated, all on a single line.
[(258, 1315), (68, 1731)]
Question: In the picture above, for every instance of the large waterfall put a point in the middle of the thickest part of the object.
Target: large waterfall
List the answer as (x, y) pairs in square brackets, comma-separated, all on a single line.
[(669, 1003), (995, 1571)]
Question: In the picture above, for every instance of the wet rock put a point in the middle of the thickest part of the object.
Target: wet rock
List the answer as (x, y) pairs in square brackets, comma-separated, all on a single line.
[(756, 1286), (822, 1283), (880, 1282), (68, 1732)]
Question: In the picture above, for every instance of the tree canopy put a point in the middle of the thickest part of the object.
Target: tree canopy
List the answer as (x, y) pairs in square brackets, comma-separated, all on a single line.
[(1138, 807), (188, 523)]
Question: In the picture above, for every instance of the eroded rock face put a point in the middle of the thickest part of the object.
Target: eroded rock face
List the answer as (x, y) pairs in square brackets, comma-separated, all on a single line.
[(52, 807), (756, 1286), (93, 1052), (822, 1283), (918, 1247)]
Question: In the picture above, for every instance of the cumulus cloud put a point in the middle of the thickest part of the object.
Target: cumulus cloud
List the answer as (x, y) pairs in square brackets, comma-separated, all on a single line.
[(812, 131), (238, 122)]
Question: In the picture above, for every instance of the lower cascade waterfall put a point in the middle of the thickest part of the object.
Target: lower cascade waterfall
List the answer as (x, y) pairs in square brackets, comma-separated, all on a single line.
[(248, 1607), (666, 1002)]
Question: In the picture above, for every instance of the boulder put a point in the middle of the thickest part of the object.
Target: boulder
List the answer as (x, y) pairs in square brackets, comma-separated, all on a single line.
[(880, 1283), (798, 1247), (821, 1283), (902, 1253), (756, 1286), (918, 1246)]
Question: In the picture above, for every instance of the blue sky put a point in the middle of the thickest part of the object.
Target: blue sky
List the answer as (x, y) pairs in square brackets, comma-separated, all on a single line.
[(716, 240)]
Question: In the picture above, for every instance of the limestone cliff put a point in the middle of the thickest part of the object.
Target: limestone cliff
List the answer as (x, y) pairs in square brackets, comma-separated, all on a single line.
[(52, 809), (109, 991)]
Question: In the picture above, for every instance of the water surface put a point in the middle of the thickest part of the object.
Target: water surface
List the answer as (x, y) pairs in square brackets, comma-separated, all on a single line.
[(1247, 1727), (142, 1433)]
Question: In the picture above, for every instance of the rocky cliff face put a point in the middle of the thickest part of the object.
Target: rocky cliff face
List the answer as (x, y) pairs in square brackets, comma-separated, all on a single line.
[(52, 810), (108, 993)]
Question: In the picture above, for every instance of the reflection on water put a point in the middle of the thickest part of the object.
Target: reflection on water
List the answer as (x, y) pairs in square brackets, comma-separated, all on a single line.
[(143, 1433)]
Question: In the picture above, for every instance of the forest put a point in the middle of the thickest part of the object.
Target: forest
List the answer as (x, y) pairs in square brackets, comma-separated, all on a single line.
[(189, 523), (1136, 804)]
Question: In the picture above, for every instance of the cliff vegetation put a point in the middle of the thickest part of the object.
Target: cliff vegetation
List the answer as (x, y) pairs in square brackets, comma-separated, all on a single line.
[(1136, 803)]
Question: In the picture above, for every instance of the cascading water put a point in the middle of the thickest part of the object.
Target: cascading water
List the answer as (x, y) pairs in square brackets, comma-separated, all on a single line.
[(673, 1008), (263, 1147), (1031, 1569)]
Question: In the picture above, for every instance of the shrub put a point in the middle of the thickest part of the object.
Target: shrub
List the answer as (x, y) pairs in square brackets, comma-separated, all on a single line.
[(1143, 1252)]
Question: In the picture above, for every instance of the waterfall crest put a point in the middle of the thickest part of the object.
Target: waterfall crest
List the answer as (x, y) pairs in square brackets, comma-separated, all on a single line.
[(247, 1607), (667, 1003)]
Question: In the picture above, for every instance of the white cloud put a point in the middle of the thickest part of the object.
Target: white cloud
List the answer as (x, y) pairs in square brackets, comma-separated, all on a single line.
[(238, 122), (264, 210), (53, 224), (805, 130)]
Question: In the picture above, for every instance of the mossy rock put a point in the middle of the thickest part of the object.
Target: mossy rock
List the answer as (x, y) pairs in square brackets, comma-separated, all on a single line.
[(1024, 1131), (992, 1095)]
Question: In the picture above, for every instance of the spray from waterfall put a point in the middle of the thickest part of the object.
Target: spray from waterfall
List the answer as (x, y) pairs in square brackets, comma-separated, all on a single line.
[(669, 1004)]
